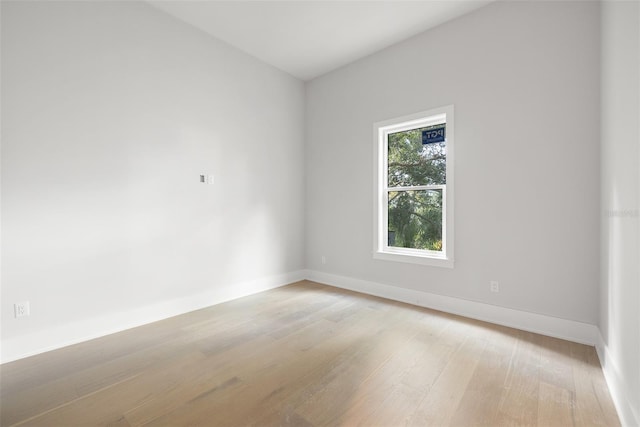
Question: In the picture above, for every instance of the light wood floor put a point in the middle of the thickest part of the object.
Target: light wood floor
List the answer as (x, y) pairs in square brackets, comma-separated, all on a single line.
[(308, 354)]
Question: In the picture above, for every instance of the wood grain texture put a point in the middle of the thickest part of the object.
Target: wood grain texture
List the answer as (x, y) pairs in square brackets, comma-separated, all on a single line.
[(311, 355)]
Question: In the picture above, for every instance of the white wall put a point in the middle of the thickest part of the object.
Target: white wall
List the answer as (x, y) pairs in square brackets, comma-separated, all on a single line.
[(524, 79), (620, 260), (110, 111)]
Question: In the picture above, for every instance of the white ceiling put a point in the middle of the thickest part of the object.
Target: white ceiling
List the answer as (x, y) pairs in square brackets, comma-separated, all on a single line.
[(308, 38)]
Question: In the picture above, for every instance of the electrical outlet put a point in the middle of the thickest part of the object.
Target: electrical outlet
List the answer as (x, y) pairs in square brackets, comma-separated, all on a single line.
[(211, 179), (324, 260), (22, 309), (495, 287)]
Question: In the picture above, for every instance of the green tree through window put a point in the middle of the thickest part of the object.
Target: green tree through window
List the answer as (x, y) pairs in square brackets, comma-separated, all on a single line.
[(415, 215)]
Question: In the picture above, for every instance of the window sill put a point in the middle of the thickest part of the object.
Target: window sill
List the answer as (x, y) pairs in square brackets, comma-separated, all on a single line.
[(430, 260)]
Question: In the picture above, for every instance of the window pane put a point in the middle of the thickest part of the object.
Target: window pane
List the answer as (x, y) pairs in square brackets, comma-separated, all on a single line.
[(411, 162), (415, 219)]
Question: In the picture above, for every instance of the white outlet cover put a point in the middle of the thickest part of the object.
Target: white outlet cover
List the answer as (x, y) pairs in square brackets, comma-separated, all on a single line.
[(22, 309)]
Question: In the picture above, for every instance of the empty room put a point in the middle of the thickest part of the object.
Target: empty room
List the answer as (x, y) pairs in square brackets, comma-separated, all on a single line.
[(320, 213)]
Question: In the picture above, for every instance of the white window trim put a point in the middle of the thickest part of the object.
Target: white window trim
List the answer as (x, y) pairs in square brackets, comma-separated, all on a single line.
[(381, 250)]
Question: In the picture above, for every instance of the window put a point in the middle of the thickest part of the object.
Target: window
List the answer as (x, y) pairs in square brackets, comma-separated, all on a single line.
[(413, 217)]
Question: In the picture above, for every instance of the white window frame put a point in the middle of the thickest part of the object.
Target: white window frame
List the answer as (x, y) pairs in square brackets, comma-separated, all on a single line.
[(381, 249)]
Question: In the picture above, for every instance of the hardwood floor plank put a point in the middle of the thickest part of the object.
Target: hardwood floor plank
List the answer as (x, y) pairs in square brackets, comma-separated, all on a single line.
[(556, 362), (27, 403), (519, 401), (440, 404), (268, 386), (342, 384), (391, 394), (480, 403), (555, 406), (108, 406)]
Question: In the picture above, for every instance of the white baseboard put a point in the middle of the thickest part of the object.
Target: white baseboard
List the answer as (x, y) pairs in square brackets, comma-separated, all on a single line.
[(569, 330), (64, 335), (68, 334), (628, 417)]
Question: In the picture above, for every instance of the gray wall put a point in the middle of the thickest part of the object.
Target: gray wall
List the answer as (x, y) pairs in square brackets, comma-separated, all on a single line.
[(524, 79), (620, 260), (110, 111)]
